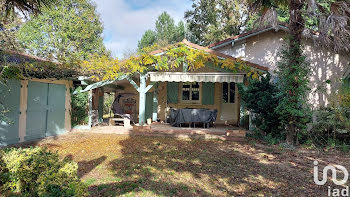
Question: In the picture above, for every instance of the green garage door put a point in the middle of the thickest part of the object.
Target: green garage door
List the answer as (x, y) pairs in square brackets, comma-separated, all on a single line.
[(36, 110), (45, 110), (9, 111), (56, 109)]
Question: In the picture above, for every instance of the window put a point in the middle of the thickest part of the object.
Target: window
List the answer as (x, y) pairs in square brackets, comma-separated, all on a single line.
[(190, 92), (228, 92)]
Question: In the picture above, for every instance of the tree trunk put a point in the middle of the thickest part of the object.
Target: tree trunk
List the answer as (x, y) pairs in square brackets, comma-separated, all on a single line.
[(296, 26), (290, 133), (296, 21)]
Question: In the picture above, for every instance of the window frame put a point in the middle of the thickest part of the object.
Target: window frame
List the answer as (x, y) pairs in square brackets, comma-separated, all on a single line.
[(191, 101), (228, 93)]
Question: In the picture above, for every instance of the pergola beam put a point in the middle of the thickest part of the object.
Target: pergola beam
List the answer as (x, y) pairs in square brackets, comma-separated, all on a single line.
[(150, 86), (132, 82), (142, 89)]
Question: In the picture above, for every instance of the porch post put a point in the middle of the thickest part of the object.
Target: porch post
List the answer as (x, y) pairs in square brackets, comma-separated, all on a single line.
[(90, 108), (142, 99), (100, 104), (155, 103)]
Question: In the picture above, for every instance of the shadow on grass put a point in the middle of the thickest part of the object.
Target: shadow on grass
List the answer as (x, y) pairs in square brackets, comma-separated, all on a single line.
[(174, 167), (166, 166), (84, 167)]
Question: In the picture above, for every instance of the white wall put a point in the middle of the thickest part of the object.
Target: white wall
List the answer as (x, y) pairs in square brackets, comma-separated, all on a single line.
[(263, 49)]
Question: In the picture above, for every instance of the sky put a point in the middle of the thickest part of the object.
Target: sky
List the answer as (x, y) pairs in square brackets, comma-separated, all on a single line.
[(125, 21)]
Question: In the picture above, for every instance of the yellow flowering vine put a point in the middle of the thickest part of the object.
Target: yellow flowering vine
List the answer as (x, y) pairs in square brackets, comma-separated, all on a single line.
[(166, 59)]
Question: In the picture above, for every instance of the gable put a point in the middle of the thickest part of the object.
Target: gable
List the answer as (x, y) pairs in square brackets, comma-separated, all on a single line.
[(248, 34), (261, 49)]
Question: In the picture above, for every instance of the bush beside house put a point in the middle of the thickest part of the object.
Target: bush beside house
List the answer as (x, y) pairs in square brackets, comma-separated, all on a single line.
[(261, 98), (80, 107), (38, 172)]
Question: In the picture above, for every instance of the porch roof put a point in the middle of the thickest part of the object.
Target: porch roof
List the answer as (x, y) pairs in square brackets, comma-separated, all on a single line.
[(103, 83), (196, 77)]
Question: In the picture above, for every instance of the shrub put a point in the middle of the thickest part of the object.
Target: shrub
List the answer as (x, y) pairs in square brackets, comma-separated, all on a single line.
[(331, 125), (80, 108), (3, 171), (260, 97), (38, 172)]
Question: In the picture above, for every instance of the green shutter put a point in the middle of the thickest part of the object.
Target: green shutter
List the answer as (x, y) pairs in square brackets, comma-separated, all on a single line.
[(149, 105), (208, 90), (172, 92), (100, 107)]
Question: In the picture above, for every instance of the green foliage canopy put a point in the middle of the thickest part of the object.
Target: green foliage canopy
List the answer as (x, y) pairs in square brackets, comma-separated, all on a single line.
[(148, 39), (165, 27), (8, 30), (166, 32), (9, 7), (70, 30), (214, 20)]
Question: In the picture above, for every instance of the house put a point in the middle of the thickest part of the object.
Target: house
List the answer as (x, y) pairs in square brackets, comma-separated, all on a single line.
[(209, 87), (33, 108), (261, 46)]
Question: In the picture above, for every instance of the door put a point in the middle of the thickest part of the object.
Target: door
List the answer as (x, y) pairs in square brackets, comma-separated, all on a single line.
[(56, 110), (45, 110), (36, 110), (228, 101), (9, 111)]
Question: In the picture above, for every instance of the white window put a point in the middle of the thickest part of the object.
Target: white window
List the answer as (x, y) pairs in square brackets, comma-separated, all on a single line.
[(190, 92), (228, 92)]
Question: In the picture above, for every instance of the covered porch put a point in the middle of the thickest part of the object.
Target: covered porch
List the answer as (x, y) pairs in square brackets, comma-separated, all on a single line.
[(208, 92), (151, 97)]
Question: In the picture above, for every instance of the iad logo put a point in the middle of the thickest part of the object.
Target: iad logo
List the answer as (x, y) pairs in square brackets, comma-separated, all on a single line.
[(332, 192), (334, 174)]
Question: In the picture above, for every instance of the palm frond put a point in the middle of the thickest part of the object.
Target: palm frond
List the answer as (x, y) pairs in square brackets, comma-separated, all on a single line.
[(24, 6), (333, 29)]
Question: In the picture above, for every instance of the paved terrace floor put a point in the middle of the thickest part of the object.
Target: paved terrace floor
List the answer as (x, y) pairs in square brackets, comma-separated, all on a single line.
[(158, 129)]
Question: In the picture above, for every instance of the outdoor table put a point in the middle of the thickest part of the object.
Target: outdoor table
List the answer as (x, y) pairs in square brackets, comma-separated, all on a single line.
[(187, 115)]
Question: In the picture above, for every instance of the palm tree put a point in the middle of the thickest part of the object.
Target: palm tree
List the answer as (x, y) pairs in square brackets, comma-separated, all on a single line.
[(24, 6), (332, 31), (332, 19)]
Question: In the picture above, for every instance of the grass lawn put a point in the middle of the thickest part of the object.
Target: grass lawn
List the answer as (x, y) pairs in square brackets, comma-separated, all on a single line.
[(115, 165)]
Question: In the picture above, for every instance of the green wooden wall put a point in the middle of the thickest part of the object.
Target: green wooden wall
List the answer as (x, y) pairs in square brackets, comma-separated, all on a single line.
[(10, 111)]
